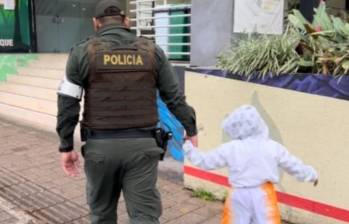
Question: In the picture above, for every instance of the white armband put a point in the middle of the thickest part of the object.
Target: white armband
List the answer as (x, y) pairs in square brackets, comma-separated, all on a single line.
[(70, 89)]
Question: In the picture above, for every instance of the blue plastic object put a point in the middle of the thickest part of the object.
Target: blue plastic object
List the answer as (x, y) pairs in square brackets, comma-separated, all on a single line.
[(169, 122)]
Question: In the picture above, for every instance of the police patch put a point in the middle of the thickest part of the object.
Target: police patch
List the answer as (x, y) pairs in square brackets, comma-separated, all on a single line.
[(125, 60)]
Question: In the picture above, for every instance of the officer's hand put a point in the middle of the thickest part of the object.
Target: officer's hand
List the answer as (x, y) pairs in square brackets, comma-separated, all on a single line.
[(193, 140), (70, 163)]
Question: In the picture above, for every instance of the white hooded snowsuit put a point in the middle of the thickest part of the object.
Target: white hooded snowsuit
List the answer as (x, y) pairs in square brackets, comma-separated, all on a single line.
[(253, 160)]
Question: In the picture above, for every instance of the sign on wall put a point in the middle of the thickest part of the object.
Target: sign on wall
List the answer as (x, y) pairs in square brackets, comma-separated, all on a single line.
[(14, 26), (258, 16)]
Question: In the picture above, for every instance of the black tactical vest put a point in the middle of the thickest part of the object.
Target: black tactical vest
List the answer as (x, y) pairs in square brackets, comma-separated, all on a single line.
[(121, 88)]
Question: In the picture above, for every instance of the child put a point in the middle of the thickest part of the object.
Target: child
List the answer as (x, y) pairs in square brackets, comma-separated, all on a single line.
[(253, 160)]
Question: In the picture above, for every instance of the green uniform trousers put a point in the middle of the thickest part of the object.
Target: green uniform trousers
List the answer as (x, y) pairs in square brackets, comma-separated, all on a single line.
[(127, 165)]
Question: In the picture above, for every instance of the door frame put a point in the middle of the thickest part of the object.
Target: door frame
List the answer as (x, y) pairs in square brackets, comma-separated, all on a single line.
[(32, 22)]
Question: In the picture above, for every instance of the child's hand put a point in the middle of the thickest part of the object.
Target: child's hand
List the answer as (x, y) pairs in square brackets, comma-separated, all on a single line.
[(192, 139), (187, 146), (316, 182)]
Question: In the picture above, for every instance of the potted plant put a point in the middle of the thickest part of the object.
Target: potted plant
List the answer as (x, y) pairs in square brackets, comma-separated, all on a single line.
[(308, 57)]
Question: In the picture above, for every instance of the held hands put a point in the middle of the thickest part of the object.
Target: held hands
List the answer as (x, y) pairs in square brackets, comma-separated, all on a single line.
[(192, 139), (70, 163), (190, 143), (187, 146)]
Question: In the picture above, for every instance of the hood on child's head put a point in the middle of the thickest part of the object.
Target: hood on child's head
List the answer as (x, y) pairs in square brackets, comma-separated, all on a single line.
[(245, 122)]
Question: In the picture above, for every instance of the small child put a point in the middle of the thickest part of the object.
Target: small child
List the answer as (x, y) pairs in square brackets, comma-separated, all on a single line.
[(253, 160)]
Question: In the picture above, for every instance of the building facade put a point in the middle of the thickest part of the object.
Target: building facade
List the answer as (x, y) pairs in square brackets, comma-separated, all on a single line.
[(55, 25)]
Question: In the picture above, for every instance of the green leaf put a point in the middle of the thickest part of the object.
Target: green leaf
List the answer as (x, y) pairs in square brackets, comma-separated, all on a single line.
[(305, 63), (300, 16), (345, 65), (296, 22), (321, 18)]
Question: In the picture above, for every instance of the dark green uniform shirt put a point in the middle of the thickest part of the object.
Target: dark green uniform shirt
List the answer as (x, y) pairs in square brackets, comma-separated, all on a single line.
[(77, 72)]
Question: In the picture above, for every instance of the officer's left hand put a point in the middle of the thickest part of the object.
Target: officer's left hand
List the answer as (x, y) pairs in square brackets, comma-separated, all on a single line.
[(70, 163)]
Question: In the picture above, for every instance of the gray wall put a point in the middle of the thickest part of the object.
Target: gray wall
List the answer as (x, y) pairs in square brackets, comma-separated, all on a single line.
[(61, 24), (211, 29)]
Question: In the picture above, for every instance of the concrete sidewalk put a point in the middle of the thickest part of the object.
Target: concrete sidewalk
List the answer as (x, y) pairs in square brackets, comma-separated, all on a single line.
[(33, 189)]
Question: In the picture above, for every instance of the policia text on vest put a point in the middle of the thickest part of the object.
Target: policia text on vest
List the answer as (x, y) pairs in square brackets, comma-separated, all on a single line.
[(121, 60)]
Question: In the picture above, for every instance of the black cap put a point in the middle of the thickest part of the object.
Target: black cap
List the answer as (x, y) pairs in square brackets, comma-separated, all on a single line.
[(110, 8)]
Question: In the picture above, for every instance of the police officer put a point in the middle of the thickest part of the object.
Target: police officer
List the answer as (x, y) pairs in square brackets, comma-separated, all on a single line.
[(120, 75)]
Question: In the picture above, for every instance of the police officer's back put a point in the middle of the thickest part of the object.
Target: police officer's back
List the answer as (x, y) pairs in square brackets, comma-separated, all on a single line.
[(120, 75)]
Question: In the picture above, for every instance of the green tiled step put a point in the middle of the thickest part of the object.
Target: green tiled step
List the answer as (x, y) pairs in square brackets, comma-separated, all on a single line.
[(31, 91), (9, 63), (34, 81), (28, 94), (41, 72), (29, 103)]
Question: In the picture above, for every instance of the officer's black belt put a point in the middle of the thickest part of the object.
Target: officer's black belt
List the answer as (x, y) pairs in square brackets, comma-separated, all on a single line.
[(129, 133)]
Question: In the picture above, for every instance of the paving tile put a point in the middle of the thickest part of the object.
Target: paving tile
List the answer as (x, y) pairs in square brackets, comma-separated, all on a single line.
[(32, 180)]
